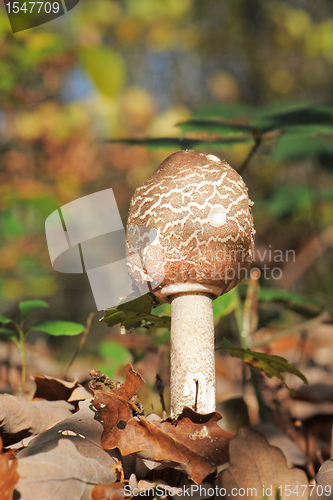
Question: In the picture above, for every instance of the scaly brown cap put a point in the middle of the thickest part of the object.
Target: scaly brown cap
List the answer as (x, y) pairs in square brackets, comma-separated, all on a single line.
[(200, 207)]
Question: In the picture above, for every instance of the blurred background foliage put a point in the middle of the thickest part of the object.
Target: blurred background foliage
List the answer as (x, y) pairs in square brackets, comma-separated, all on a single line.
[(114, 69)]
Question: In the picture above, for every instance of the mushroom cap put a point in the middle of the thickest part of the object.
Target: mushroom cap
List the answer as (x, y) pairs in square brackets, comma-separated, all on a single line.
[(200, 209)]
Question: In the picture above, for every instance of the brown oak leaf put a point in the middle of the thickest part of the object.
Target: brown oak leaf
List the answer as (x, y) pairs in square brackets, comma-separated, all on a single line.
[(259, 468), (194, 443), (113, 491), (8, 476), (61, 473), (20, 418)]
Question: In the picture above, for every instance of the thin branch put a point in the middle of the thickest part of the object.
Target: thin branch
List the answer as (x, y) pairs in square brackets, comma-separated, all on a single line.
[(258, 140), (160, 389), (82, 342)]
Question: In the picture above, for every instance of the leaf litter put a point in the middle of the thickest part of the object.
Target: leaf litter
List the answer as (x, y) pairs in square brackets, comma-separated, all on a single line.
[(104, 446)]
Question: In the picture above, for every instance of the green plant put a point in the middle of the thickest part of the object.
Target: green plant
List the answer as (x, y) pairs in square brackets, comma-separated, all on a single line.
[(18, 331), (138, 313), (113, 355)]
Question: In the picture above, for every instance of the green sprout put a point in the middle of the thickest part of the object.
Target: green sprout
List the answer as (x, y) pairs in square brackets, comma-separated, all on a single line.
[(19, 331)]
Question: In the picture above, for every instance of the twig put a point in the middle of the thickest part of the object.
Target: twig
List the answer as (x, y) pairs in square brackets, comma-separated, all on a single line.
[(196, 394), (82, 342), (262, 410), (258, 140), (160, 389), (21, 345), (251, 306)]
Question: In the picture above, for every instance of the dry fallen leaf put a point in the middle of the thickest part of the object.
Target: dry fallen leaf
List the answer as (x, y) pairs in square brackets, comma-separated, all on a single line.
[(275, 437), (20, 418), (200, 433), (113, 491), (80, 393), (117, 408), (55, 389), (118, 469), (194, 443), (61, 474), (84, 429), (8, 476), (316, 393), (323, 488), (257, 465)]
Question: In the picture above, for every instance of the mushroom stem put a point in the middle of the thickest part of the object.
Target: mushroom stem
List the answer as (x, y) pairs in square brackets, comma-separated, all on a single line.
[(192, 353)]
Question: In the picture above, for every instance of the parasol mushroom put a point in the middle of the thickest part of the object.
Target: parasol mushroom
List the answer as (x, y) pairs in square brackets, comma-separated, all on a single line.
[(200, 208)]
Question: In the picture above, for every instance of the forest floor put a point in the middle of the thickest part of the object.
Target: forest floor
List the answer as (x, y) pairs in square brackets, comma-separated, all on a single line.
[(97, 439)]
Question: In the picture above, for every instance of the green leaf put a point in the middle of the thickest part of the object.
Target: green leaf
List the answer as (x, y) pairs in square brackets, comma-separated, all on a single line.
[(291, 148), (27, 307), (12, 224), (310, 119), (225, 304), (163, 308), (295, 301), (153, 143), (287, 199), (136, 313), (163, 339), (142, 304), (224, 111), (117, 354), (214, 127), (58, 328), (4, 320), (6, 332), (105, 67), (273, 366), (221, 143), (289, 117)]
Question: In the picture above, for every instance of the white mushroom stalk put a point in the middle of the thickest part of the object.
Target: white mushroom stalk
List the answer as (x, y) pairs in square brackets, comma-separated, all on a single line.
[(192, 381), (201, 211)]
